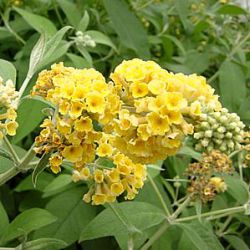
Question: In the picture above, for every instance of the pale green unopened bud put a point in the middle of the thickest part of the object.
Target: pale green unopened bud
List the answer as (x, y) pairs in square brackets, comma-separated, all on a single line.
[(215, 126), (223, 147), (221, 130), (238, 138), (237, 130), (217, 115), (230, 144), (232, 125), (218, 135), (205, 125), (218, 141), (203, 117), (229, 135), (211, 120), (198, 135), (224, 111), (204, 142), (208, 133), (223, 119)]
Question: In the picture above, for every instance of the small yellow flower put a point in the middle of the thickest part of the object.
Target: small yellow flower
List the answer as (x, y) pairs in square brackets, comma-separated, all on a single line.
[(63, 127), (98, 176), (99, 199), (76, 109), (114, 175), (55, 162), (85, 173), (95, 102), (195, 108), (104, 149), (174, 117), (175, 101), (116, 188), (11, 128), (157, 87), (158, 125), (84, 124), (73, 153), (138, 89)]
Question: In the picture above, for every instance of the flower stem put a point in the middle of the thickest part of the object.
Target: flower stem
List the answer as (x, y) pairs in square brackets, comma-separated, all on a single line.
[(213, 215), (157, 191), (24, 86), (179, 210), (132, 230), (169, 220), (11, 150), (156, 236), (23, 165)]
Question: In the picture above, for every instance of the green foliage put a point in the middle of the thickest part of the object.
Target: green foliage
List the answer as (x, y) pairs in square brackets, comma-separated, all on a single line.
[(40, 210), (27, 222)]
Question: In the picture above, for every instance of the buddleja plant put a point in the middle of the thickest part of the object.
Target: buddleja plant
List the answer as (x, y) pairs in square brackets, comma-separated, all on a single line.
[(110, 134)]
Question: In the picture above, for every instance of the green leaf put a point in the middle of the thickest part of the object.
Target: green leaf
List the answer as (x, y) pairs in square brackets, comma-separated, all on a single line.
[(40, 167), (83, 24), (71, 11), (36, 55), (85, 54), (99, 37), (232, 85), (78, 61), (182, 8), (54, 42), (5, 154), (185, 150), (39, 23), (59, 183), (73, 215), (27, 222), (4, 219), (60, 51), (28, 108), (236, 242), (44, 243), (198, 236), (43, 181), (130, 30), (7, 71), (237, 188), (141, 215), (147, 194), (230, 9)]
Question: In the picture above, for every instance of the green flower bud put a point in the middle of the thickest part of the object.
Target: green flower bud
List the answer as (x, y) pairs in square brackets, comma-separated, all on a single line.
[(208, 133), (219, 130), (228, 135), (205, 125)]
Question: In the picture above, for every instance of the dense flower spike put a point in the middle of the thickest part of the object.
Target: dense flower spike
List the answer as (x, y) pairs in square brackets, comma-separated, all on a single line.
[(152, 122), (82, 98), (8, 106), (138, 118), (219, 130), (204, 184)]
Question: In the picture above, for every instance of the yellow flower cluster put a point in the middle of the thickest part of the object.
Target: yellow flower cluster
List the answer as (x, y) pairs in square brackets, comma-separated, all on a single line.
[(138, 117), (8, 106), (82, 98), (151, 123), (204, 185), (106, 184)]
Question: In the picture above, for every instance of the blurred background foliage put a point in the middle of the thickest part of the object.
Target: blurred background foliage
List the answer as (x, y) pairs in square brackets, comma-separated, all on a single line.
[(209, 37)]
